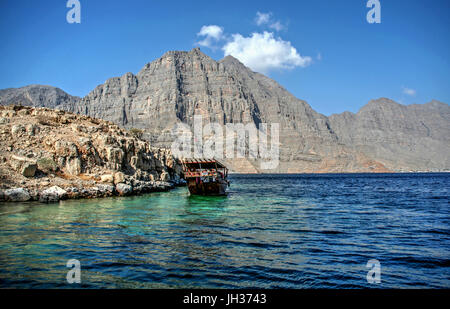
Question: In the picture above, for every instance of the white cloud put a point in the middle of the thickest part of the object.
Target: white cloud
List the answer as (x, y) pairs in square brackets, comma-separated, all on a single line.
[(262, 18), (211, 31), (266, 19), (212, 34), (263, 52), (276, 26), (408, 91)]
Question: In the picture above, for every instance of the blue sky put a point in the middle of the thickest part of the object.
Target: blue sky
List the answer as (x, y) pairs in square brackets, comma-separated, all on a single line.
[(340, 60)]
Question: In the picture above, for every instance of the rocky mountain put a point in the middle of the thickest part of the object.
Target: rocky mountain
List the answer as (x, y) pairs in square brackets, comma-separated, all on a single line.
[(47, 154), (405, 138), (383, 136), (37, 96)]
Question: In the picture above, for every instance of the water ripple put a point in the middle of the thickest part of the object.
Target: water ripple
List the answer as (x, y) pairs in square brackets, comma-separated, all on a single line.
[(272, 231)]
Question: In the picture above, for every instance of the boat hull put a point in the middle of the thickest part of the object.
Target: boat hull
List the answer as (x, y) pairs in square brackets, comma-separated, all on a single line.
[(216, 188)]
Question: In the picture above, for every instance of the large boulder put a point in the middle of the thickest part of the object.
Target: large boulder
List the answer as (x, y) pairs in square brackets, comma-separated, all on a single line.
[(124, 189), (119, 177), (108, 178), (106, 190), (17, 129), (16, 195), (165, 177), (52, 195), (23, 165)]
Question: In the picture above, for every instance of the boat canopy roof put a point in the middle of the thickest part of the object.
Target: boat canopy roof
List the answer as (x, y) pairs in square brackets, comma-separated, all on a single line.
[(203, 163)]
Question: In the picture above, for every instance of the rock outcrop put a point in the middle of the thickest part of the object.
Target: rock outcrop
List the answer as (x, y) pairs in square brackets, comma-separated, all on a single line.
[(25, 166), (384, 136), (16, 195), (53, 194), (71, 156)]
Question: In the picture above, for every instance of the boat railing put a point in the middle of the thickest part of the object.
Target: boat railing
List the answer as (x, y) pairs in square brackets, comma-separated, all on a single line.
[(193, 174)]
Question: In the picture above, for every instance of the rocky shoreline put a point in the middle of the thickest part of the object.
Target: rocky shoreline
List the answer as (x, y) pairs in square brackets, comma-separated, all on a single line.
[(55, 193), (50, 155)]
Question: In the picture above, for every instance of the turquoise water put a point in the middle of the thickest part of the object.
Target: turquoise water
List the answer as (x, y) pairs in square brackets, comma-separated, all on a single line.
[(272, 231)]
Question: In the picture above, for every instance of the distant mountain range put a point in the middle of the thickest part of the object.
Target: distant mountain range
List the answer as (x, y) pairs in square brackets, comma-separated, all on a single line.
[(37, 96), (383, 136)]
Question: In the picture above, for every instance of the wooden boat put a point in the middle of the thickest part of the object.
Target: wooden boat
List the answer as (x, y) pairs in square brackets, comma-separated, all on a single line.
[(206, 176)]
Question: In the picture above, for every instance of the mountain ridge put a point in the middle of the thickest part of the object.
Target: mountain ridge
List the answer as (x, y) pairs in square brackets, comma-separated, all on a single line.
[(37, 96), (382, 136)]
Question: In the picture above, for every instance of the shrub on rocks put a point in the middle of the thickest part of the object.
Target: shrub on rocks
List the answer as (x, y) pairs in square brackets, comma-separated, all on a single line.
[(47, 165), (138, 133), (44, 120)]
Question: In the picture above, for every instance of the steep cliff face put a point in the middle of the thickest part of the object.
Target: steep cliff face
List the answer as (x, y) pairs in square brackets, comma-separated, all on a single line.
[(383, 136), (180, 85)]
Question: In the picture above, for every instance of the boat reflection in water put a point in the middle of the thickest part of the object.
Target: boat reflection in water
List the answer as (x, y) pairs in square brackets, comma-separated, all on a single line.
[(206, 177)]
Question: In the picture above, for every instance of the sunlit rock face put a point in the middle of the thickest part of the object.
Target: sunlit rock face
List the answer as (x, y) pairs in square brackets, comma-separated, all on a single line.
[(51, 154)]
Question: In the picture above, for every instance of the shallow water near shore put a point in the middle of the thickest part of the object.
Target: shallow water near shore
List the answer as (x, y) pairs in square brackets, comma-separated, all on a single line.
[(272, 231)]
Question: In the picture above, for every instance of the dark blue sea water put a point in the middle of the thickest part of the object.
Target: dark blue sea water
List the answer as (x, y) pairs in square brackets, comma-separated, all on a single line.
[(273, 231)]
